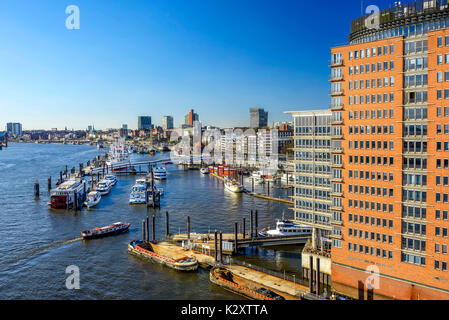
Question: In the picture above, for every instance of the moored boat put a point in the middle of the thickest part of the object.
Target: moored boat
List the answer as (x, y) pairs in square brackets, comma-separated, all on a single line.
[(137, 195), (111, 178), (65, 195), (116, 228), (118, 156), (104, 187), (233, 186), (160, 173), (285, 228), (151, 251), (204, 171), (93, 199)]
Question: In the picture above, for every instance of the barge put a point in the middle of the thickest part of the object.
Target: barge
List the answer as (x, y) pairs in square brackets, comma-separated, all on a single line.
[(162, 255), (228, 281), (116, 228)]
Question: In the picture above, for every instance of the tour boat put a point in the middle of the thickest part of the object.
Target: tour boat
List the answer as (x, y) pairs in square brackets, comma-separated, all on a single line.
[(118, 227), (93, 198), (160, 173), (233, 186), (118, 156), (204, 171), (104, 187), (111, 178), (63, 197), (285, 228), (137, 195)]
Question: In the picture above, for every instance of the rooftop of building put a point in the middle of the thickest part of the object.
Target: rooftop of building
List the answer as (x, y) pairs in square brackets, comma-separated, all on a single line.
[(400, 13), (309, 113)]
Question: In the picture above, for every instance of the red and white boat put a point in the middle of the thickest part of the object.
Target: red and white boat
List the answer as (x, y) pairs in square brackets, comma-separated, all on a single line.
[(63, 197)]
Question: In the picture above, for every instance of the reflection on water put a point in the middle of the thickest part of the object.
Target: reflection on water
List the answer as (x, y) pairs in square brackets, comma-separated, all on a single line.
[(38, 244)]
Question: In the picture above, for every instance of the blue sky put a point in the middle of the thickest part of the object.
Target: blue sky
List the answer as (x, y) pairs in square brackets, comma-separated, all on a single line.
[(160, 57)]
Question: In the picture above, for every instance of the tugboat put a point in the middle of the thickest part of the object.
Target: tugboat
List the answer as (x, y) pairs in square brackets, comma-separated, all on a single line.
[(116, 228)]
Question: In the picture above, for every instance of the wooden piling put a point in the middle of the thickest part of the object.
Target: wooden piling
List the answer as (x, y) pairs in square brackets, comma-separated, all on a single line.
[(256, 223), (221, 247), (243, 228), (49, 184), (143, 231), (75, 201), (236, 237), (153, 231), (251, 233), (167, 225), (36, 188), (268, 188), (188, 227), (216, 246)]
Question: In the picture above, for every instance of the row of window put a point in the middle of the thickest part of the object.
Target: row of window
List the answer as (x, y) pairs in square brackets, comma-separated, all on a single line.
[(381, 98), (367, 205), (370, 236), (312, 206), (373, 191), (380, 145), (371, 175), (371, 52), (442, 145), (440, 264), (373, 67), (372, 114), (380, 253), (416, 80), (379, 129), (371, 83), (380, 161), (310, 168), (442, 163), (412, 47)]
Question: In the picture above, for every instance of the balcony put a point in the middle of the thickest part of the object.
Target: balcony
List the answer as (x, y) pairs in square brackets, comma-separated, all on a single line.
[(335, 63), (336, 92), (334, 77), (336, 107)]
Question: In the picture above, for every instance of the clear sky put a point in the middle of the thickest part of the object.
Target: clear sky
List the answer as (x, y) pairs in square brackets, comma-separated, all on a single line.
[(163, 57)]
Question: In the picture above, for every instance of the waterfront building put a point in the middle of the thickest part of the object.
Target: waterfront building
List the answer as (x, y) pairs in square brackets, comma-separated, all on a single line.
[(191, 118), (313, 173), (168, 123), (144, 123), (14, 129), (258, 118), (389, 92)]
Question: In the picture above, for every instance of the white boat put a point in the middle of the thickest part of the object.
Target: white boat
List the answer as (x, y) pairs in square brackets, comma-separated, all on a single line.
[(111, 178), (233, 186), (141, 181), (137, 195), (104, 187), (93, 198), (204, 170), (63, 197), (118, 156), (285, 228), (160, 173)]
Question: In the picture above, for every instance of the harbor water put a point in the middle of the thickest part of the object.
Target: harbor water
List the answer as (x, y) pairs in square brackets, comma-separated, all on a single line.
[(38, 244)]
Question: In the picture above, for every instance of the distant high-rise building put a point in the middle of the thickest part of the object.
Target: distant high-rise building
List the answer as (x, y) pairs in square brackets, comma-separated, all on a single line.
[(191, 117), (14, 129), (167, 123), (259, 118), (124, 126), (144, 123), (90, 129)]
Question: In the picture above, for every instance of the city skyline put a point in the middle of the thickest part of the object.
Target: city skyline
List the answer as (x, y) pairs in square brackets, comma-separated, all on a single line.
[(176, 58)]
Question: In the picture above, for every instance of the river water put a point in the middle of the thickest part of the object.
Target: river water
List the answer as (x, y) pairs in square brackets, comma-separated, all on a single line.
[(37, 244)]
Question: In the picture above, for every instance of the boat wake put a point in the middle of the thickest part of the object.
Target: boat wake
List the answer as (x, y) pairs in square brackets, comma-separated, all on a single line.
[(39, 251)]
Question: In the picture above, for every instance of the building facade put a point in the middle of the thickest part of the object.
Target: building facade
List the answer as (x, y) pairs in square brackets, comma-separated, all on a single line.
[(390, 125), (14, 129), (258, 118), (191, 118), (168, 123), (144, 123), (312, 197)]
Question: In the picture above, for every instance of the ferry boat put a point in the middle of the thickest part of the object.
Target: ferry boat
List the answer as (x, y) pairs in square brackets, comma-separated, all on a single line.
[(111, 178), (233, 186), (170, 258), (160, 173), (137, 195), (204, 171), (118, 156), (63, 197), (285, 228), (93, 198), (104, 187), (116, 228)]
